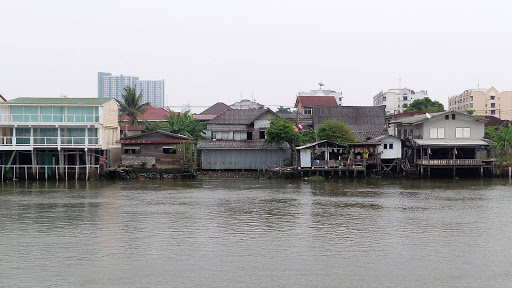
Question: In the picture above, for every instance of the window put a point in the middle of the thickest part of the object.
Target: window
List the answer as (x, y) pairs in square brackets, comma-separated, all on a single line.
[(405, 98), (383, 98), (388, 146), (436, 133), (308, 110), (493, 105), (470, 98), (493, 112), (52, 113), (169, 150), (405, 105), (492, 97), (131, 150), (463, 132), (80, 114), (24, 114), (453, 116), (262, 134), (446, 117), (249, 135)]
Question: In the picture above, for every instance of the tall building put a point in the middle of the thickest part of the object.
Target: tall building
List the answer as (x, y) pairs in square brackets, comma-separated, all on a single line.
[(397, 100), (322, 92), (110, 86), (484, 102), (152, 92)]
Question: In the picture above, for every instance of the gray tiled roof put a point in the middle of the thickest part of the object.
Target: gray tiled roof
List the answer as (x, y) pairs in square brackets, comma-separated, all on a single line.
[(238, 144), (239, 116), (359, 118), (215, 109), (363, 136)]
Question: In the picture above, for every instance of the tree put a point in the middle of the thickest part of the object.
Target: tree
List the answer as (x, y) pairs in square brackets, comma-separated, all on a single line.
[(280, 131), (182, 124), (470, 111), (503, 138), (425, 105), (132, 104), (335, 131), (308, 135), (282, 110)]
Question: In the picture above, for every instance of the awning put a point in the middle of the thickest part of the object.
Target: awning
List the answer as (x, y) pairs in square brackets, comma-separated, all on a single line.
[(131, 147)]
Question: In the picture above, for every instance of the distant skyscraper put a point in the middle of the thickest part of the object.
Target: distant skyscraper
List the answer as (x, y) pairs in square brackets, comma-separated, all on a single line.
[(113, 87)]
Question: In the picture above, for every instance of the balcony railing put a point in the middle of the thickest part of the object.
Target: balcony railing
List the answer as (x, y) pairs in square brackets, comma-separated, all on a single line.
[(48, 118), (49, 141), (450, 162)]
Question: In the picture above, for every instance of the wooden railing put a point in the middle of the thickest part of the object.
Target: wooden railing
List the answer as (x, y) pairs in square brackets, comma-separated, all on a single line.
[(450, 162)]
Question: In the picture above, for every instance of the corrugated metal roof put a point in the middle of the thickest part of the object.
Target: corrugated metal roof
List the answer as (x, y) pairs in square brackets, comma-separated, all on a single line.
[(61, 101), (238, 144), (453, 142)]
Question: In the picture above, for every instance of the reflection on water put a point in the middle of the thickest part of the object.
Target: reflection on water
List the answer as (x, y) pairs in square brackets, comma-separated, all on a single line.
[(254, 233)]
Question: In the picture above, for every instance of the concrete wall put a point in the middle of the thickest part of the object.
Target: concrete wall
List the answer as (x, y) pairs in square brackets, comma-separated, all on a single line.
[(219, 159)]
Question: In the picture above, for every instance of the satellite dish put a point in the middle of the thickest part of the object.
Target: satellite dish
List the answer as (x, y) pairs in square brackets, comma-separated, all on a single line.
[(428, 115)]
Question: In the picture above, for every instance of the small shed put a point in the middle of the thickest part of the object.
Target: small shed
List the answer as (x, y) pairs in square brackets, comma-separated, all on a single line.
[(159, 148), (325, 153), (390, 147)]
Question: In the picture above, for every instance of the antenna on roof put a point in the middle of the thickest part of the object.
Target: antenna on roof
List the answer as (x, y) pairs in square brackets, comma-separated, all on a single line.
[(478, 84), (321, 85)]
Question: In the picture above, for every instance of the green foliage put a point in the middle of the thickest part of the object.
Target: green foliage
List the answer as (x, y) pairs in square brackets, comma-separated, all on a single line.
[(189, 155), (316, 178), (470, 111), (503, 138), (280, 131), (425, 105), (132, 104), (282, 110), (308, 135), (335, 131), (181, 123)]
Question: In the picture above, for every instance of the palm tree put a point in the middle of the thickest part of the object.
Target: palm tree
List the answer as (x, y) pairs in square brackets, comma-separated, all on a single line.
[(131, 104), (181, 123)]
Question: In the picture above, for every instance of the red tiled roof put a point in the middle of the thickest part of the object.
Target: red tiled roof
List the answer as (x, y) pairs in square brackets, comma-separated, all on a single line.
[(313, 101), (151, 114)]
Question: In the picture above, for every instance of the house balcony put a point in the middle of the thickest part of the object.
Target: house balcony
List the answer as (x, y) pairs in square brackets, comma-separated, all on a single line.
[(18, 119), (453, 162), (29, 143)]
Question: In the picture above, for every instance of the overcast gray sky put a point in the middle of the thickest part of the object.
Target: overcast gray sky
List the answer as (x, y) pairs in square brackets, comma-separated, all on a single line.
[(209, 51)]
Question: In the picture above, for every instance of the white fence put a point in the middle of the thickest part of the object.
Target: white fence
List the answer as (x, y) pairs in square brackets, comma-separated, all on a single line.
[(50, 171)]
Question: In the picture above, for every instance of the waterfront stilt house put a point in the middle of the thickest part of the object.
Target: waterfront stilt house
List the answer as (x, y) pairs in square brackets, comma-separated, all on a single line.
[(52, 138), (445, 142)]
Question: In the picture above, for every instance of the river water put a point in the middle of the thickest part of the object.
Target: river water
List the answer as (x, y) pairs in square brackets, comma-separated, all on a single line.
[(257, 233)]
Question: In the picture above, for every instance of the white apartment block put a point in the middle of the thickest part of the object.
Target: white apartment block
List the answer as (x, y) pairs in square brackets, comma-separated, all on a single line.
[(397, 100), (110, 86)]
